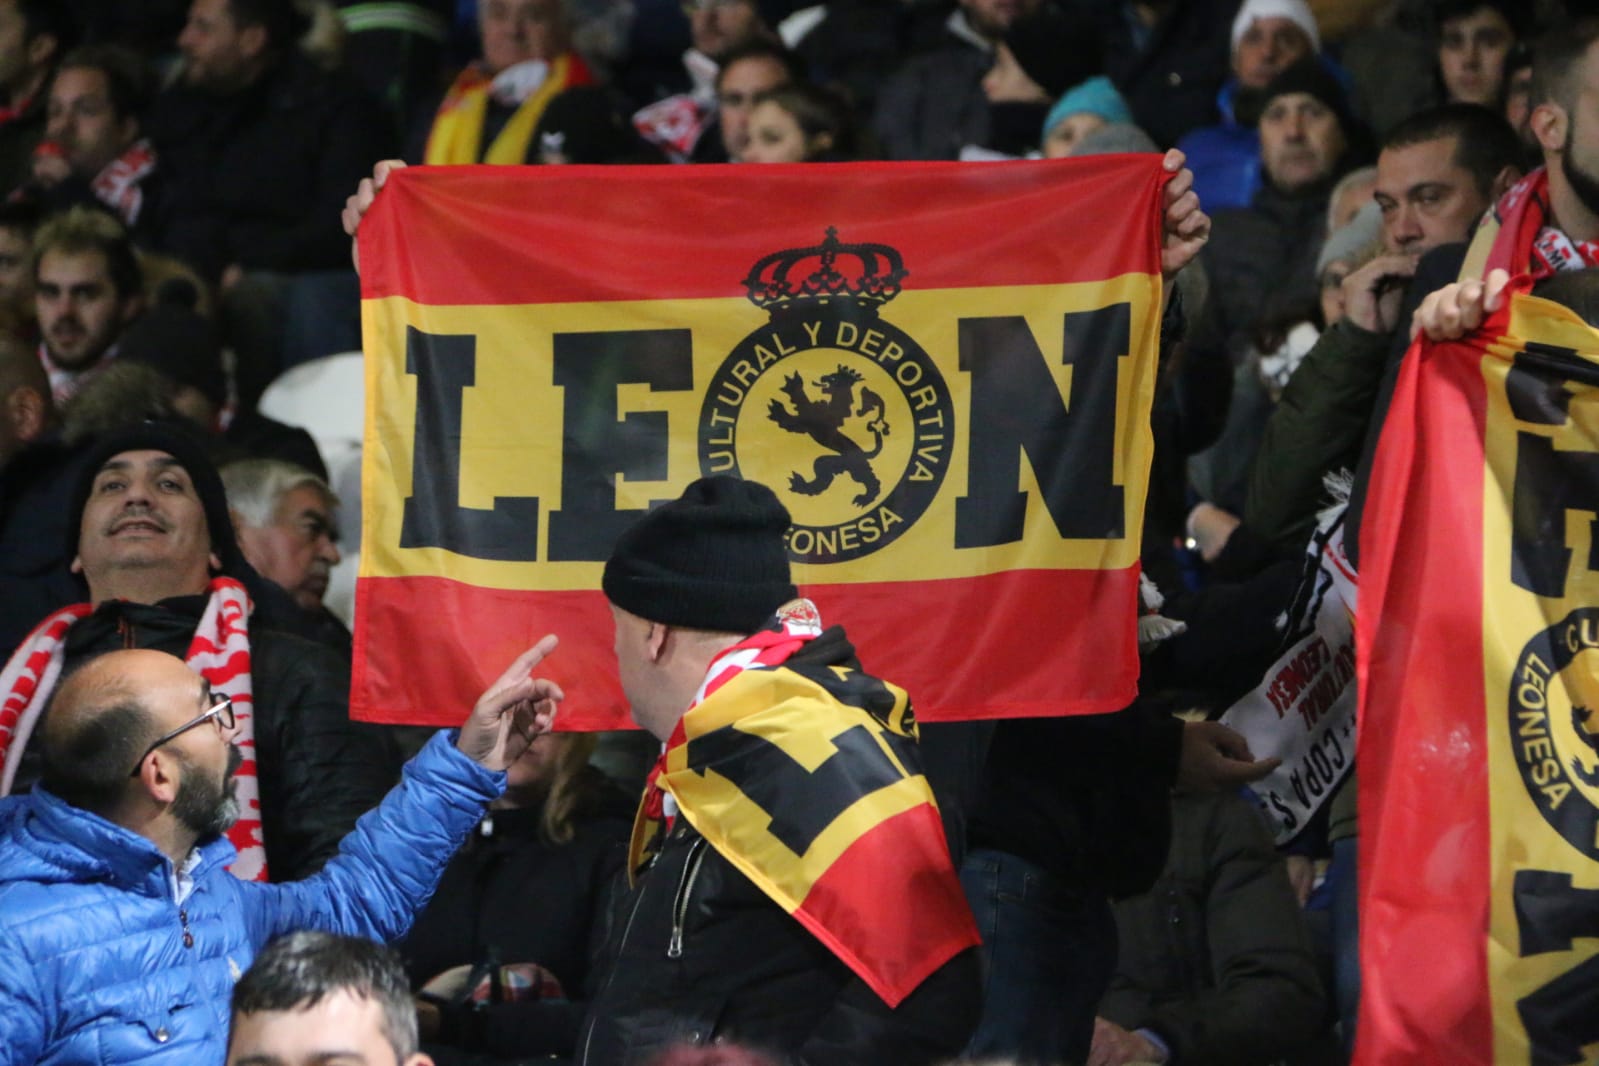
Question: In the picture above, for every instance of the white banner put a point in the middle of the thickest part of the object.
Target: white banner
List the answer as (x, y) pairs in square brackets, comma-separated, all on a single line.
[(1303, 712)]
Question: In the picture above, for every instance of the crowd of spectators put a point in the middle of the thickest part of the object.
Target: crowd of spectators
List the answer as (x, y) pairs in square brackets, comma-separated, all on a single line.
[(171, 181)]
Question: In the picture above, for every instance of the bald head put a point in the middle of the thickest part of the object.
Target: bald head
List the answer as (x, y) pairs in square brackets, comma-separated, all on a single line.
[(104, 715)]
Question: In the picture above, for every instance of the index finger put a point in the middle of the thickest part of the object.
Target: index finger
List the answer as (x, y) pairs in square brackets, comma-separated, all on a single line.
[(524, 664)]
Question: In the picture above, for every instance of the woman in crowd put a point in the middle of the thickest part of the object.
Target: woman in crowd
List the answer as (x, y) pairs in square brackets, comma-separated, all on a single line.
[(799, 123), (501, 955)]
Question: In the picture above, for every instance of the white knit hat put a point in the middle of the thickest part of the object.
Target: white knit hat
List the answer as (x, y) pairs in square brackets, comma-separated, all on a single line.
[(1297, 11)]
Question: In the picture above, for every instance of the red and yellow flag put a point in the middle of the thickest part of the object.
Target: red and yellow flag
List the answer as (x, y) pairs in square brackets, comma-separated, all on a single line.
[(944, 370), (823, 804), (1478, 657)]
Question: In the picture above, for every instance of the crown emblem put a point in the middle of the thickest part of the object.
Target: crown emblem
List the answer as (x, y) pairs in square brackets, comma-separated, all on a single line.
[(875, 273)]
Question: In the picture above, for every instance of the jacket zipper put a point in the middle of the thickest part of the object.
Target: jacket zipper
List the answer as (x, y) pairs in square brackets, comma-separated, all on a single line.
[(127, 633), (685, 890)]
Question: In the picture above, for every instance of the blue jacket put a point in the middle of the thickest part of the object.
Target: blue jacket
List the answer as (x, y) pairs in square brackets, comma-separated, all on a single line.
[(98, 964)]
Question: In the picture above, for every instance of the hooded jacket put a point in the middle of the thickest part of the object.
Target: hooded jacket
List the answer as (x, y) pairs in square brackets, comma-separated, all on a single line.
[(99, 962)]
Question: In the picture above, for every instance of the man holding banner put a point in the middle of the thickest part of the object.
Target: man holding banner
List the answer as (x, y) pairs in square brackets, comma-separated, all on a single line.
[(1476, 638)]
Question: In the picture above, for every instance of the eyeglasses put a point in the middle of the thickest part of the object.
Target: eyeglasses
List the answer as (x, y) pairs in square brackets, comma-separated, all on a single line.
[(221, 710)]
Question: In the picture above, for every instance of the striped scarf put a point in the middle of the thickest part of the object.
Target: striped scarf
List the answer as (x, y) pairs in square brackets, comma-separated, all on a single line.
[(219, 652), (457, 133)]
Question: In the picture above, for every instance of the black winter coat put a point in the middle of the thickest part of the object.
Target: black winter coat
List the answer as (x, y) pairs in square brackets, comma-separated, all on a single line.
[(259, 178), (510, 896), (697, 952), (1216, 958), (318, 771)]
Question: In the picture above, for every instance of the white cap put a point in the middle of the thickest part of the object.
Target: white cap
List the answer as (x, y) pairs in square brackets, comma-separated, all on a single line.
[(1296, 11)]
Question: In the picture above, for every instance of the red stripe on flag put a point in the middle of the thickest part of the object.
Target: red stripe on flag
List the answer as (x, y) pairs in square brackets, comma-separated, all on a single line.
[(1423, 755), (632, 249), (893, 941), (426, 647)]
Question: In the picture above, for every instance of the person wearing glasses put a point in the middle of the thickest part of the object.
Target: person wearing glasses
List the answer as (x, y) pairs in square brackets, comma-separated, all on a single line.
[(153, 541), (121, 930)]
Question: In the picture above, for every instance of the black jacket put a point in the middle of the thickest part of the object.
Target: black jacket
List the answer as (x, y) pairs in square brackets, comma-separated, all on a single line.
[(510, 896), (1170, 80), (1083, 796), (259, 178), (934, 104), (698, 952), (318, 771)]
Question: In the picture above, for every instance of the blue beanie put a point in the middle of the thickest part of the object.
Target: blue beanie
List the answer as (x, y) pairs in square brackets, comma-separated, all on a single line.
[(1097, 96)]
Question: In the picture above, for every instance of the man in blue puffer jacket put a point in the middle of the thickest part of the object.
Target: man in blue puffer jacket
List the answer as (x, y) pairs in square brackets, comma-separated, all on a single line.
[(121, 933)]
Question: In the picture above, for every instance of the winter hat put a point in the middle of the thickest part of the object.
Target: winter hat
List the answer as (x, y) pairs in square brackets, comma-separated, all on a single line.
[(1309, 76), (184, 446), (1056, 51), (1296, 11), (182, 345), (1352, 237), (714, 558), (1096, 96)]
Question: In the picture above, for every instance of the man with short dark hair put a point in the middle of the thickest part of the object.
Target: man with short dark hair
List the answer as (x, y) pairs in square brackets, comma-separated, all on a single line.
[(1437, 173), (121, 933), (86, 289), (745, 74), (257, 145), (311, 997), (97, 152), (34, 34), (684, 125)]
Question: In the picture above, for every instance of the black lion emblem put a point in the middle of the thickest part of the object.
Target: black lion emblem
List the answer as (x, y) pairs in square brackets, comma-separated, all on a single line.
[(823, 421)]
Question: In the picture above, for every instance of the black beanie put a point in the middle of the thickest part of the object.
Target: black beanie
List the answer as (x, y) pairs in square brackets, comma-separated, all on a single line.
[(1309, 76), (184, 446), (1055, 50), (714, 558)]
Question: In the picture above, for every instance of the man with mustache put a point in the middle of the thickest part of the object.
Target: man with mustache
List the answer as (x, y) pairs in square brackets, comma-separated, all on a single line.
[(285, 518), (164, 570), (87, 288), (121, 933)]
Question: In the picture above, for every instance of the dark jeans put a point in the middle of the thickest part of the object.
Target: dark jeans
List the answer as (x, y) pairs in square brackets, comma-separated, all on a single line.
[(1048, 955), (1345, 936)]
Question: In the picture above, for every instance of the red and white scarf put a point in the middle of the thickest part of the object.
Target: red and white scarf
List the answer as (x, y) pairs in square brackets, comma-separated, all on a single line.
[(64, 383), (795, 624), (219, 652), (1519, 238), (117, 186)]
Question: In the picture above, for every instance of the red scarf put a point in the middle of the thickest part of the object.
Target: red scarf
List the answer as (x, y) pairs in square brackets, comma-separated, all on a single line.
[(1523, 241), (117, 186)]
